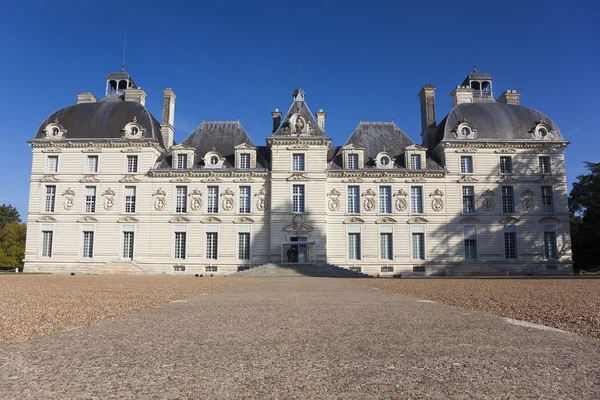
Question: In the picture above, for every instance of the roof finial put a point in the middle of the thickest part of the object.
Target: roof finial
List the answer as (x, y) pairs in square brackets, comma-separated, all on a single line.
[(473, 39), (298, 66), (124, 49)]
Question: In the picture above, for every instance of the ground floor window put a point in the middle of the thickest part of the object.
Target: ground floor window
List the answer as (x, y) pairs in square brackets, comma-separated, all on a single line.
[(354, 246), (88, 244), (128, 245), (550, 251), (47, 237), (510, 245), (385, 246), (180, 239), (418, 246), (244, 245), (212, 244)]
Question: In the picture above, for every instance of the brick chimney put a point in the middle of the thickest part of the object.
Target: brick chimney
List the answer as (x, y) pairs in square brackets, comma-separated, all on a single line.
[(168, 118), (86, 97), (321, 119), (276, 119), (462, 94), (427, 96), (136, 95), (510, 97)]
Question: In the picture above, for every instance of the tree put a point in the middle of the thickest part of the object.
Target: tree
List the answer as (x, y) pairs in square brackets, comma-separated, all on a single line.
[(8, 214), (584, 207), (12, 244)]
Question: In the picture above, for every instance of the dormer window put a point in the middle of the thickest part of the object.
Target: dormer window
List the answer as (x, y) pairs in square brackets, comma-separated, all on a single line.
[(245, 156), (353, 156), (133, 130), (414, 157), (466, 131), (384, 160), (183, 156), (542, 131), (54, 130), (212, 159)]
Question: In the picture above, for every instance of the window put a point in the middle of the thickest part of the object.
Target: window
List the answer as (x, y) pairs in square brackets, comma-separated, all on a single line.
[(128, 245), (90, 199), (510, 245), (88, 244), (212, 199), (212, 239), (214, 160), (384, 161), (468, 199), (298, 162), (180, 239), (245, 160), (352, 161), (466, 164), (550, 251), (508, 203), (92, 164), (385, 246), (353, 200), (544, 164), (244, 245), (547, 205), (47, 243), (298, 198), (354, 246), (244, 200), (415, 161), (182, 161), (465, 131), (385, 199), (52, 164), (416, 199), (418, 246), (132, 164), (181, 199), (129, 199), (470, 242), (506, 165), (50, 198)]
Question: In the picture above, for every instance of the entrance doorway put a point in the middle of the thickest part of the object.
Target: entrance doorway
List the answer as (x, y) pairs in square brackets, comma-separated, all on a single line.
[(297, 250)]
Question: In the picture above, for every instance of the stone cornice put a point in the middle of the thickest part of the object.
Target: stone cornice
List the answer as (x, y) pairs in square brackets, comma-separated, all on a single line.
[(93, 146), (473, 145), (388, 175), (205, 174)]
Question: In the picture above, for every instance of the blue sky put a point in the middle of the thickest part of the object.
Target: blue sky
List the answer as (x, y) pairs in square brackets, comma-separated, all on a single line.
[(238, 59)]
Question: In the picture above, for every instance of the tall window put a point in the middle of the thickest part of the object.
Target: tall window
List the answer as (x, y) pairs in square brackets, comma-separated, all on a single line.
[(92, 164), (353, 200), (415, 161), (385, 246), (418, 246), (180, 239), (385, 199), (129, 199), (298, 162), (90, 199), (550, 250), (212, 244), (298, 198), (416, 199), (132, 164), (470, 242), (466, 164), (50, 198), (181, 199), (128, 245), (52, 164), (544, 164), (245, 160), (212, 199), (352, 161), (506, 165), (354, 246), (244, 245), (508, 201), (468, 197), (182, 161), (47, 237), (88, 244), (547, 204), (244, 200), (510, 245)]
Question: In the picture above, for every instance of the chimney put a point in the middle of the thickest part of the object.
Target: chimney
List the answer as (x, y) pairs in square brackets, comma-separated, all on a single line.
[(86, 97), (462, 94), (427, 96), (136, 95), (321, 119), (168, 118), (510, 97), (276, 119)]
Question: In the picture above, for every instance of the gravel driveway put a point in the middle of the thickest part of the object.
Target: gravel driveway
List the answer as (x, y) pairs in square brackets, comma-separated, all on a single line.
[(305, 338)]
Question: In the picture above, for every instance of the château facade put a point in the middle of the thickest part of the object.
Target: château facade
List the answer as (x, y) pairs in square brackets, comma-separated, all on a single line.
[(484, 192)]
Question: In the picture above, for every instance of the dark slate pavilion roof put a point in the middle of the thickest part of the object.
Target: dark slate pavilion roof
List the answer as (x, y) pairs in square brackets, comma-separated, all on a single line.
[(477, 76), (495, 121), (102, 120), (299, 106)]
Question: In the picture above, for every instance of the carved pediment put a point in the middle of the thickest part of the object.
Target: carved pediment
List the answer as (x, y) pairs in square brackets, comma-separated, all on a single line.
[(243, 220), (244, 179), (353, 179), (369, 192), (131, 150), (159, 192), (298, 146), (180, 179), (211, 220), (46, 218), (298, 177), (354, 220), (467, 179), (549, 179), (416, 179), (549, 220), (527, 193), (181, 146), (488, 193), (417, 220), (298, 228), (52, 150), (509, 220), (129, 179), (87, 219), (507, 178), (352, 146), (49, 178), (401, 192), (334, 192), (92, 150), (227, 192), (179, 220), (212, 179), (127, 219), (108, 192), (466, 150), (69, 192), (505, 150), (436, 193), (470, 220), (89, 179), (386, 220)]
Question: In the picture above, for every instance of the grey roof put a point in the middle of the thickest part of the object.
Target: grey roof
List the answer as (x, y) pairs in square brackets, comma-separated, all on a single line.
[(119, 75), (299, 106), (102, 120), (477, 76), (495, 121)]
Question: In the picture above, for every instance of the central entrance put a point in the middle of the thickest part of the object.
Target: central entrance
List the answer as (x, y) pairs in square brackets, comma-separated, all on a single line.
[(298, 250)]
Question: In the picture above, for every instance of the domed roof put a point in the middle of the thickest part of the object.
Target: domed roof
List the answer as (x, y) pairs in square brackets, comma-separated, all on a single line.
[(102, 120), (496, 121)]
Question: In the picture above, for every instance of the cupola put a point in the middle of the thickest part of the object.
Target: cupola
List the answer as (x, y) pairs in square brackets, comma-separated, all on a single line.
[(481, 83), (117, 83)]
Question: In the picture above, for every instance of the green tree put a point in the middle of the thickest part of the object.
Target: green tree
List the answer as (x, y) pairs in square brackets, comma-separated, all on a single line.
[(584, 207), (8, 214), (12, 244)]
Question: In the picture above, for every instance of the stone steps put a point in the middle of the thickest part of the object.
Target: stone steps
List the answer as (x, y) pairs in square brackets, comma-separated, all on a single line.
[(291, 270)]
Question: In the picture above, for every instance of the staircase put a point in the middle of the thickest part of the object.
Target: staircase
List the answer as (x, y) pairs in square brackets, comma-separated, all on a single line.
[(322, 270)]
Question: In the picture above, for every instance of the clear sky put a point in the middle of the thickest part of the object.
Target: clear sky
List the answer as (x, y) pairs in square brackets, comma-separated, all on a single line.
[(238, 59)]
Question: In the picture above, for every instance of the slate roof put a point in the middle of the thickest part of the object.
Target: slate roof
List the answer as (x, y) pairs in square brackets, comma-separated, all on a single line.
[(495, 121), (477, 76), (102, 120), (120, 75)]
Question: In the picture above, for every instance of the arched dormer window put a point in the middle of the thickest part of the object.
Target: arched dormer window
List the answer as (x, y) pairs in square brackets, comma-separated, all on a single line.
[(212, 159), (133, 130), (54, 130), (465, 131), (384, 160), (542, 131)]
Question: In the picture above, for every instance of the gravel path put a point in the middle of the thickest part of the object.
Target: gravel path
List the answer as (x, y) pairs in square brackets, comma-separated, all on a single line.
[(571, 304), (304, 338), (32, 305)]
